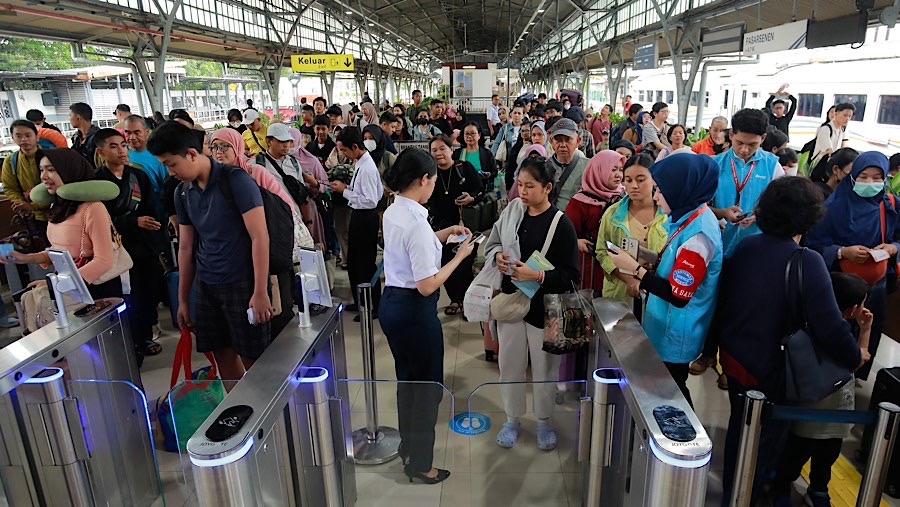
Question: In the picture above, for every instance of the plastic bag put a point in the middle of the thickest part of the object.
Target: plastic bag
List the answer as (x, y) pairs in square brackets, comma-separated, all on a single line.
[(568, 323), (477, 302)]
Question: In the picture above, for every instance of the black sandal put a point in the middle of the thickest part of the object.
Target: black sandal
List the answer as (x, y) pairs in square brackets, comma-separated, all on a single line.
[(453, 309), (151, 348)]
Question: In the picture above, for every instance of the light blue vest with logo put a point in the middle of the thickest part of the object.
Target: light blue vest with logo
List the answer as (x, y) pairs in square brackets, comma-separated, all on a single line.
[(726, 194), (678, 333)]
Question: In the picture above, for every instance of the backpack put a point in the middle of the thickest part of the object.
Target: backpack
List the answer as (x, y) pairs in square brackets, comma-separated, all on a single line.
[(805, 158), (279, 223), (43, 144), (297, 190)]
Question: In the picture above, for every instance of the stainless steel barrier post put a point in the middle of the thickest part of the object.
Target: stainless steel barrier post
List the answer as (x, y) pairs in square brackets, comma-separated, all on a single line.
[(880, 456), (374, 444), (601, 414), (745, 468), (314, 447), (53, 430)]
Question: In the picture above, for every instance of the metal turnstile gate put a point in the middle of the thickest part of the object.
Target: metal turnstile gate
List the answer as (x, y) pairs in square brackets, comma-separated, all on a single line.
[(282, 436), (640, 441), (73, 422)]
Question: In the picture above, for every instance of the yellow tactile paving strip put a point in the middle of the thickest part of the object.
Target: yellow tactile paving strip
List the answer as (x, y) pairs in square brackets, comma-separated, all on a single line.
[(844, 485)]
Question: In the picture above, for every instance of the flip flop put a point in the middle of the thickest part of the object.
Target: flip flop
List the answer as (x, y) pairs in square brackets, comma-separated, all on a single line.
[(453, 309), (151, 348)]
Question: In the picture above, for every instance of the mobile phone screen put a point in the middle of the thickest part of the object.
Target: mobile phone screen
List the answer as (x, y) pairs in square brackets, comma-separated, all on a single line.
[(611, 247)]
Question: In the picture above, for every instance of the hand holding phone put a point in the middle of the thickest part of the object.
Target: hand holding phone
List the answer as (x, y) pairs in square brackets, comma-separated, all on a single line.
[(6, 250), (476, 239), (612, 248), (459, 238)]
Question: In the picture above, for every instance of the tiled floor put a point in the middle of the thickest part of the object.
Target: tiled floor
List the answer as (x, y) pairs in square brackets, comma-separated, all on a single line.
[(483, 474)]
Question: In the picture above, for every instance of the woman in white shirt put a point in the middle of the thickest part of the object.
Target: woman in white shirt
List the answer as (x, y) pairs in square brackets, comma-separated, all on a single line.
[(408, 308)]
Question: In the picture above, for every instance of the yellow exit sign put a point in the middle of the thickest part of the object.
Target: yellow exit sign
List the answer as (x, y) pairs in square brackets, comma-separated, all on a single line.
[(319, 63)]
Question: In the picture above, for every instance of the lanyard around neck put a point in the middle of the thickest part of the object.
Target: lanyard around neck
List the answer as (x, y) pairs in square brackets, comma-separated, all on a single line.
[(699, 211), (739, 187)]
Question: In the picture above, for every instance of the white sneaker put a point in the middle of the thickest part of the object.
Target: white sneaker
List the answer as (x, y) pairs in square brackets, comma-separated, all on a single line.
[(156, 332)]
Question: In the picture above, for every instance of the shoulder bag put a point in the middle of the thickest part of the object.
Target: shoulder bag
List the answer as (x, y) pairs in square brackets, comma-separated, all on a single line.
[(810, 374), (509, 308), (295, 188), (121, 260)]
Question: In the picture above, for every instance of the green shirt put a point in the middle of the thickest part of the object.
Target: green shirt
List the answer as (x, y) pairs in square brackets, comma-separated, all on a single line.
[(473, 157), (19, 182)]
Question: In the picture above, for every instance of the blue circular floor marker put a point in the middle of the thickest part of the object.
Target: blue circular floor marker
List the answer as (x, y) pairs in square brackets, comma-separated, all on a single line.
[(470, 423)]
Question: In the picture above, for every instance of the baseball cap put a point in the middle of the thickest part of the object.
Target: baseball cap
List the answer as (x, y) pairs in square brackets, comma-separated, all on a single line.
[(605, 131), (564, 127), (279, 131), (250, 115)]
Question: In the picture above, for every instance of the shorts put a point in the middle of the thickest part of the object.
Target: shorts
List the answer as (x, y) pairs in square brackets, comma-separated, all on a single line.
[(221, 320)]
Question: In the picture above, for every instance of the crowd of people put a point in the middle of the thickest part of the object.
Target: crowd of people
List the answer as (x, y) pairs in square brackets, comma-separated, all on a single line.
[(716, 223)]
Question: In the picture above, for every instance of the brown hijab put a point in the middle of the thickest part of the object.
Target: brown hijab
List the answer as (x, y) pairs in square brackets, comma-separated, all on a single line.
[(72, 168)]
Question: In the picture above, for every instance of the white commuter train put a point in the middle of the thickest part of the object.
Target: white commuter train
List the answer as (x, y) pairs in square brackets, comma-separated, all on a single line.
[(872, 85)]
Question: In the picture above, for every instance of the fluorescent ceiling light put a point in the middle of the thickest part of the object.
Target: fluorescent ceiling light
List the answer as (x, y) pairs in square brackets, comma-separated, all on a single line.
[(540, 10), (469, 66), (349, 12)]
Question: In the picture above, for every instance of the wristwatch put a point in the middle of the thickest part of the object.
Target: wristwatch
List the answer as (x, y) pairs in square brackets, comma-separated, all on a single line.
[(637, 273), (840, 254)]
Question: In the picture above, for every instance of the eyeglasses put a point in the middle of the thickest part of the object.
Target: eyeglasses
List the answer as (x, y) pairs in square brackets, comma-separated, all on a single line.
[(220, 147), (470, 134)]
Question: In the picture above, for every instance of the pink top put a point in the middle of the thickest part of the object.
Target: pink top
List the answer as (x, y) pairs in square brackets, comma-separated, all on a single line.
[(97, 238)]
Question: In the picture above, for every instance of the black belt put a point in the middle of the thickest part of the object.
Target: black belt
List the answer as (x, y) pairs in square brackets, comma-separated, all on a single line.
[(404, 290)]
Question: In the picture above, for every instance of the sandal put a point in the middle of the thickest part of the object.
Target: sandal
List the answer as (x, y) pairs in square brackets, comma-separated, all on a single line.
[(701, 364), (151, 348), (452, 309)]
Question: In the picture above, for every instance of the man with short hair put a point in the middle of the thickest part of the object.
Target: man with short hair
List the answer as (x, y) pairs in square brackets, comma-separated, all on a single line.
[(386, 121), (136, 134), (80, 117), (282, 165), (705, 145), (629, 122), (255, 135), (536, 114), (122, 111), (36, 116), (412, 111), (134, 213), (542, 99), (363, 193), (335, 117), (745, 172), (493, 114), (231, 261), (567, 160), (319, 105), (776, 107), (307, 115), (437, 117), (21, 174), (552, 110)]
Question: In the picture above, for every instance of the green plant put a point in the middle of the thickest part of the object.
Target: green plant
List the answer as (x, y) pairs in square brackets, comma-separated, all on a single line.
[(218, 126), (693, 138), (265, 118), (616, 118), (277, 118), (299, 123)]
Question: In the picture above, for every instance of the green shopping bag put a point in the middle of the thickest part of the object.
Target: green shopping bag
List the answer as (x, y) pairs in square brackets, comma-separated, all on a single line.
[(182, 412)]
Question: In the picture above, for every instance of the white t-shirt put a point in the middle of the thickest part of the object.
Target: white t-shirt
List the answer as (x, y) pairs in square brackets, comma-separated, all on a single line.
[(828, 138)]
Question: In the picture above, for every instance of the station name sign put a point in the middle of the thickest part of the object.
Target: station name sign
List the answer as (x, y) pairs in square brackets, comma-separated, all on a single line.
[(322, 63), (777, 38)]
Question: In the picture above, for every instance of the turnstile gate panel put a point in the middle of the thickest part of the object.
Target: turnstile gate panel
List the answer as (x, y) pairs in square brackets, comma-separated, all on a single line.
[(648, 448), (281, 436), (73, 421)]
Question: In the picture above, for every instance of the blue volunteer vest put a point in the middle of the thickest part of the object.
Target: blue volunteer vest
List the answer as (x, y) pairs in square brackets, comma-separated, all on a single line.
[(678, 333), (726, 195)]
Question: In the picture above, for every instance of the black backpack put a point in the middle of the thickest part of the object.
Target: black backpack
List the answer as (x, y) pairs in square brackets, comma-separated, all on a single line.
[(279, 223)]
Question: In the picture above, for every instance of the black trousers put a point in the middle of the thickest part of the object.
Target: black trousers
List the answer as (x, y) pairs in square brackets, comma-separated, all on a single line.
[(680, 372), (823, 452), (145, 277), (413, 330), (461, 277), (363, 246), (876, 302)]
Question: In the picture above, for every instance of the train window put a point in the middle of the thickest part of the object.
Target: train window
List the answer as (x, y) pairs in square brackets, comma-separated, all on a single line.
[(889, 112), (670, 97), (810, 104), (659, 96), (857, 100), (641, 95)]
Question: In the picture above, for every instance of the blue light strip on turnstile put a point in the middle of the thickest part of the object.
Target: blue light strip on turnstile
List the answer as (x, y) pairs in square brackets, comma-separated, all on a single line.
[(676, 462), (603, 380), (121, 308), (312, 380), (231, 458), (44, 380)]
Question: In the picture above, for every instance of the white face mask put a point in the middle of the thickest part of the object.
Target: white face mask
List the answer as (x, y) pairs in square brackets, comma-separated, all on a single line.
[(235, 124), (370, 144), (567, 106)]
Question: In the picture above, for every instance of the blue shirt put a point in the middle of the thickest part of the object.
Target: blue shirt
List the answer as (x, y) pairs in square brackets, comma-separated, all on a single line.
[(765, 169), (145, 161), (223, 254)]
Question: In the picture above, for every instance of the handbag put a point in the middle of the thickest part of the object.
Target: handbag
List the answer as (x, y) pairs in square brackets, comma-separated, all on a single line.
[(871, 271), (183, 410), (477, 301), (509, 308), (122, 261), (810, 374), (567, 321), (502, 151)]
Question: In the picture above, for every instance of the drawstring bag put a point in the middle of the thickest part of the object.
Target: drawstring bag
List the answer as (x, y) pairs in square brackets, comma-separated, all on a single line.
[(567, 321), (194, 401)]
